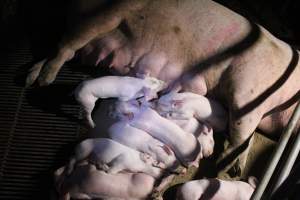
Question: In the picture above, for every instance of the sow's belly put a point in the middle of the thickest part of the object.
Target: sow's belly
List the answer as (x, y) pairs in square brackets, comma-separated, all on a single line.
[(273, 125)]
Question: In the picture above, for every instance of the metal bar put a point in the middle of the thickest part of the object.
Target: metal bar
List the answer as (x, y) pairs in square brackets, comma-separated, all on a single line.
[(288, 165), (289, 186), (277, 154)]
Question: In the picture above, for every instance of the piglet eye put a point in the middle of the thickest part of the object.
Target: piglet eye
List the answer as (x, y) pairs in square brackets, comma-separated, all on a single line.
[(140, 103)]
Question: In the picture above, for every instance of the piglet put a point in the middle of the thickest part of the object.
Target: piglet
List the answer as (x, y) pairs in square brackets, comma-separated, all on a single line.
[(141, 141), (87, 182), (216, 189), (206, 140), (202, 131), (113, 157), (122, 87), (186, 105), (190, 125), (184, 145), (204, 135), (123, 110)]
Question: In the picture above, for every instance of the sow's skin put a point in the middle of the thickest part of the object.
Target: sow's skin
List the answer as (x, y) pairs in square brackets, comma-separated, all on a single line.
[(124, 88), (87, 182), (204, 47), (113, 157), (216, 189)]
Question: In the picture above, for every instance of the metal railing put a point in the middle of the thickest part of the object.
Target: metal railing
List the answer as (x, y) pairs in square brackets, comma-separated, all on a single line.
[(287, 166)]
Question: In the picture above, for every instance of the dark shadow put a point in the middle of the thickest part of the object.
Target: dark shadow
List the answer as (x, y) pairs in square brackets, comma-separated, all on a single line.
[(74, 65), (43, 22), (208, 193), (51, 98), (46, 185), (46, 22), (170, 193), (260, 161), (279, 17), (207, 166), (101, 119), (21, 74), (211, 190), (46, 178), (290, 187), (233, 155)]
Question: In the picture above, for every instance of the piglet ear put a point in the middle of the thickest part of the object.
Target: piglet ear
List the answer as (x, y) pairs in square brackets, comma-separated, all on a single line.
[(204, 132), (177, 103), (149, 94), (206, 128), (252, 181)]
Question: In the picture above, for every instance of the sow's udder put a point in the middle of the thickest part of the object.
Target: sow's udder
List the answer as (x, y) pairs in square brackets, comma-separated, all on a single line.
[(123, 57), (164, 39)]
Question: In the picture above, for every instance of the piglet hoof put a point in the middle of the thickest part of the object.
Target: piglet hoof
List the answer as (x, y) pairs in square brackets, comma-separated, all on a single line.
[(101, 166), (180, 170), (105, 168), (142, 75), (183, 171), (148, 94), (156, 194), (252, 181), (159, 198), (112, 170), (235, 171)]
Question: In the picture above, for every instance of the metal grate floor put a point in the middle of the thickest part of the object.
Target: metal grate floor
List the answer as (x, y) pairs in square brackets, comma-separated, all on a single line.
[(38, 128)]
